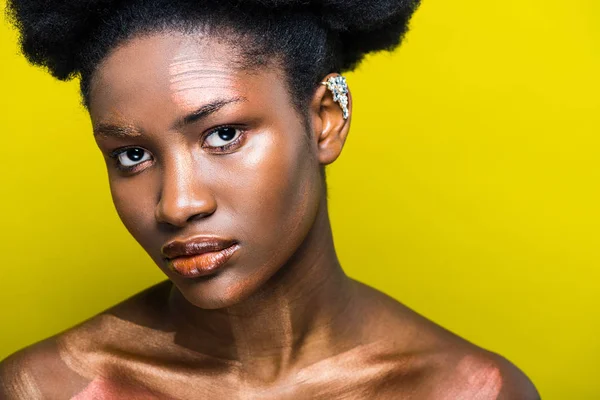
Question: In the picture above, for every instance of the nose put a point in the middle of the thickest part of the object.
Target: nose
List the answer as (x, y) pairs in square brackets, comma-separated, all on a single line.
[(184, 196)]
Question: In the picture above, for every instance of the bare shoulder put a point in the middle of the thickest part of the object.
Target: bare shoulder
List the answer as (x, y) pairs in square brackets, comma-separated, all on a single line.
[(479, 374), (37, 372), (449, 366), (62, 365)]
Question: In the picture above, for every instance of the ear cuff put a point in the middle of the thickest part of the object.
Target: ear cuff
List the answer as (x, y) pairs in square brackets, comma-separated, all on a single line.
[(338, 86)]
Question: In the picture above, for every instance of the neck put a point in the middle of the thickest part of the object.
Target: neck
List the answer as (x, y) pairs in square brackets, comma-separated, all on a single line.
[(300, 316)]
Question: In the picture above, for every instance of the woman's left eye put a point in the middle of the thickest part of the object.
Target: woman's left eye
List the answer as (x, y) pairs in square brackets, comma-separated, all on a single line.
[(221, 137)]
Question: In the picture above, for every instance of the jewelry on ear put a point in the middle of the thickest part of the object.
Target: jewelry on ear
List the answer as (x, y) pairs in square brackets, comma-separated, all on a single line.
[(338, 86)]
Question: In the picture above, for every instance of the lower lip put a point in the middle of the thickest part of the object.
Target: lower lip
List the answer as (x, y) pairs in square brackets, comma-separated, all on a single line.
[(202, 264)]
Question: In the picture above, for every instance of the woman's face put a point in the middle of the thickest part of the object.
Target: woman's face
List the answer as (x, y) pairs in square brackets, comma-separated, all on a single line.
[(202, 148)]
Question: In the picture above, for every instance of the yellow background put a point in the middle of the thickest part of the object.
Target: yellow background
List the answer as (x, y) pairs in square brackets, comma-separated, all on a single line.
[(474, 154)]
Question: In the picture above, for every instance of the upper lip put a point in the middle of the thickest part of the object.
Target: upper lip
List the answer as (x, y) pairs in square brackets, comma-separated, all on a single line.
[(195, 246)]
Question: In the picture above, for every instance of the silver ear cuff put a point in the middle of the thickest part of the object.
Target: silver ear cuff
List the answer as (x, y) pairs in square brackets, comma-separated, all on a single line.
[(338, 86)]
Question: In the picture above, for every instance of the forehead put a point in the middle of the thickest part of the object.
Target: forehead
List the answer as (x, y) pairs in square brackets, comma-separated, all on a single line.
[(178, 72)]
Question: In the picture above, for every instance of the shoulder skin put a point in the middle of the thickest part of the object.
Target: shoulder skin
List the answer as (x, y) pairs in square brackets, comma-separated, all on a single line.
[(37, 372), (452, 367), (40, 371), (482, 375)]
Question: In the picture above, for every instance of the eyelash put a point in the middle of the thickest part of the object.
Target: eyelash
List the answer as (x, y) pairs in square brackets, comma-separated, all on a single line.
[(218, 149), (223, 149)]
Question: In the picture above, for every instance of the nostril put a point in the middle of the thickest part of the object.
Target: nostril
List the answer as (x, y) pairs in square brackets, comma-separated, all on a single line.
[(201, 215), (180, 211)]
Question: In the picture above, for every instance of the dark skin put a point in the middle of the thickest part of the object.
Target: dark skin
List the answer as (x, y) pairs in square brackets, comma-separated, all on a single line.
[(281, 320)]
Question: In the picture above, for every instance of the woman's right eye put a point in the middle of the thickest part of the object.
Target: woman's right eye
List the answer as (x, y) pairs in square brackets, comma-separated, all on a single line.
[(131, 157)]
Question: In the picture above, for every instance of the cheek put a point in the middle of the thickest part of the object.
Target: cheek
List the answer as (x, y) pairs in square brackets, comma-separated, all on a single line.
[(278, 189), (134, 203)]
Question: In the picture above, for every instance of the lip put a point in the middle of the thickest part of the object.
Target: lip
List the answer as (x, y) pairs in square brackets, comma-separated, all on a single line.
[(198, 256)]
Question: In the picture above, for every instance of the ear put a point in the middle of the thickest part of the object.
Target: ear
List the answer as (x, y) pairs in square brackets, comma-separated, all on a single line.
[(330, 129)]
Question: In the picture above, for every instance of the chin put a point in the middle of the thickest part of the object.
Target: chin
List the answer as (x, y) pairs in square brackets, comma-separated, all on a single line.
[(221, 290)]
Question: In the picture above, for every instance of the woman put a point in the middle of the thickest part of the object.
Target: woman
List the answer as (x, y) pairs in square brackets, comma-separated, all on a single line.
[(216, 120)]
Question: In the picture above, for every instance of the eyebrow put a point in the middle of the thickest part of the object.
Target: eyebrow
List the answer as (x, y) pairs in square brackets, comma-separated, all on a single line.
[(127, 131), (119, 131), (206, 110)]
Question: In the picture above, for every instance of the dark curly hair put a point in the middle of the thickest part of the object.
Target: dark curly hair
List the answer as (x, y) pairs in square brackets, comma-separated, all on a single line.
[(309, 38)]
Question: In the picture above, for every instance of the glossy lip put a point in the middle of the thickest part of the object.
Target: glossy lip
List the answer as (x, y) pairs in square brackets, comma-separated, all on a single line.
[(198, 256)]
